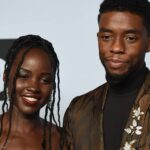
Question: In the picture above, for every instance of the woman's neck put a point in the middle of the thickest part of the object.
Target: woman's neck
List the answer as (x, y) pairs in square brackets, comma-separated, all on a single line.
[(22, 122)]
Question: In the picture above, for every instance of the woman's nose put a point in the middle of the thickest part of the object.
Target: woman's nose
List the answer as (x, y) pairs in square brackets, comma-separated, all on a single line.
[(33, 86)]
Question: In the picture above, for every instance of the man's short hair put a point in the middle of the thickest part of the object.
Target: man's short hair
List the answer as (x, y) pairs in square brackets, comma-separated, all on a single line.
[(139, 7)]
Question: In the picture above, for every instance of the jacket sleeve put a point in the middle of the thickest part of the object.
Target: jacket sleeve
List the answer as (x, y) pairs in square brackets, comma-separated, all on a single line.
[(68, 131)]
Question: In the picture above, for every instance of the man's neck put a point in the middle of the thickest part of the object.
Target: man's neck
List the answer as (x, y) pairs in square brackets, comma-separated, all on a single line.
[(132, 82)]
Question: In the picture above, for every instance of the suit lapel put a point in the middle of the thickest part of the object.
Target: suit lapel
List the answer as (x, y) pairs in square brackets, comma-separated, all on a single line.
[(97, 124), (141, 105)]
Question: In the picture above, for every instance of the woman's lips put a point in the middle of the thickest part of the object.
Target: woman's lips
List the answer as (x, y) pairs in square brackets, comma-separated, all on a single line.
[(30, 100)]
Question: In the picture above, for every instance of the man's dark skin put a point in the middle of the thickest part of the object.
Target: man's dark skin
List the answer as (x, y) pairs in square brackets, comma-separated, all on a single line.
[(123, 41)]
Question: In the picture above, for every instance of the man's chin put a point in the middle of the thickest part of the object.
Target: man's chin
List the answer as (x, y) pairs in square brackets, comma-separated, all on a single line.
[(117, 75), (115, 78)]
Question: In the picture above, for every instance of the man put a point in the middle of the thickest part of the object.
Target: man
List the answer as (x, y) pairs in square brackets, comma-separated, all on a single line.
[(116, 115)]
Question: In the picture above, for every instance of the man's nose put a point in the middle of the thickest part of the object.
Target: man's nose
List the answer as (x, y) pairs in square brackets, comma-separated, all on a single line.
[(117, 46)]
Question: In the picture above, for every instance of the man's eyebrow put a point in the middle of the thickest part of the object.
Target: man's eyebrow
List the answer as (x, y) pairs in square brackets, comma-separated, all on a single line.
[(132, 31), (105, 30), (127, 31)]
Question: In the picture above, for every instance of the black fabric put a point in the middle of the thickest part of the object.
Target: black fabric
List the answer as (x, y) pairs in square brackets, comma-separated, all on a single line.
[(119, 102)]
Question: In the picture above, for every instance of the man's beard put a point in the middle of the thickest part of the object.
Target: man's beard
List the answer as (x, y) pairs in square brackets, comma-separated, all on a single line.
[(125, 78), (114, 79)]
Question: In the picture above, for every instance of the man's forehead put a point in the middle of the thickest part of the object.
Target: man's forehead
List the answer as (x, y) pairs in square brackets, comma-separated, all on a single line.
[(120, 19)]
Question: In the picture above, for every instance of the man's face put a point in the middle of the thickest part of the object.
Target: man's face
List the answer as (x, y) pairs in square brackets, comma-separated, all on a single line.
[(123, 41)]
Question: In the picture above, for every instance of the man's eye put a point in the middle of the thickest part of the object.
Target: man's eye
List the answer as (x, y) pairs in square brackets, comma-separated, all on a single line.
[(131, 39), (106, 37)]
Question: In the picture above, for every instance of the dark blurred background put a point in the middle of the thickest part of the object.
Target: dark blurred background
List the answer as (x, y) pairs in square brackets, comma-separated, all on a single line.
[(4, 46)]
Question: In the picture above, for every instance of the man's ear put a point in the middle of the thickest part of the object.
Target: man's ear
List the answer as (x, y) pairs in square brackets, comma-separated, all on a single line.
[(4, 76), (148, 48)]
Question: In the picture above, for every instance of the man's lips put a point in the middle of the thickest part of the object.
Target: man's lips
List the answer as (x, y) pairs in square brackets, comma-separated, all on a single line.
[(115, 63)]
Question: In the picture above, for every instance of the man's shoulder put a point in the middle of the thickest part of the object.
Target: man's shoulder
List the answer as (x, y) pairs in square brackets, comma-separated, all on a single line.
[(93, 92), (89, 97), (146, 83)]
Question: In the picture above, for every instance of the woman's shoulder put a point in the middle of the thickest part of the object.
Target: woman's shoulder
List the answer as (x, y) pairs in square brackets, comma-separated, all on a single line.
[(56, 130), (56, 136)]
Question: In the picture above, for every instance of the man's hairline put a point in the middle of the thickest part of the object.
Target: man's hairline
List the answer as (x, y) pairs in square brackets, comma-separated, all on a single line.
[(99, 16)]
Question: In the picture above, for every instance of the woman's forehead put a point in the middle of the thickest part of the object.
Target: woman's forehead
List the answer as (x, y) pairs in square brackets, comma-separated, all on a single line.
[(34, 57)]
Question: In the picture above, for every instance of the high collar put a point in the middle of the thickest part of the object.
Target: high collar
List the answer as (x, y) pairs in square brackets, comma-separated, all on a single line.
[(129, 84)]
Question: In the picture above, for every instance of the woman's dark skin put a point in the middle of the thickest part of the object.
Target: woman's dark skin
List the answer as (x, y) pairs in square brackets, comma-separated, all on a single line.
[(33, 87)]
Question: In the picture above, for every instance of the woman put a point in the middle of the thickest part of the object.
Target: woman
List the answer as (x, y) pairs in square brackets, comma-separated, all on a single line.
[(29, 84)]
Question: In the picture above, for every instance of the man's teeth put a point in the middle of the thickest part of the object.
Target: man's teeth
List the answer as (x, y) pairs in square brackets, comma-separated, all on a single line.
[(31, 99)]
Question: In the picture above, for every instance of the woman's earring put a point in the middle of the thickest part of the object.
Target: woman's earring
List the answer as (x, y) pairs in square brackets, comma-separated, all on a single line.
[(7, 94)]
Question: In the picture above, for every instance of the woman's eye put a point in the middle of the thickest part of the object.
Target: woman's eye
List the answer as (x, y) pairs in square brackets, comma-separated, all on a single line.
[(24, 76), (46, 80)]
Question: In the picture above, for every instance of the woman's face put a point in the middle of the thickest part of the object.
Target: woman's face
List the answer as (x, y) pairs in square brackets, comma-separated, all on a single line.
[(34, 81)]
